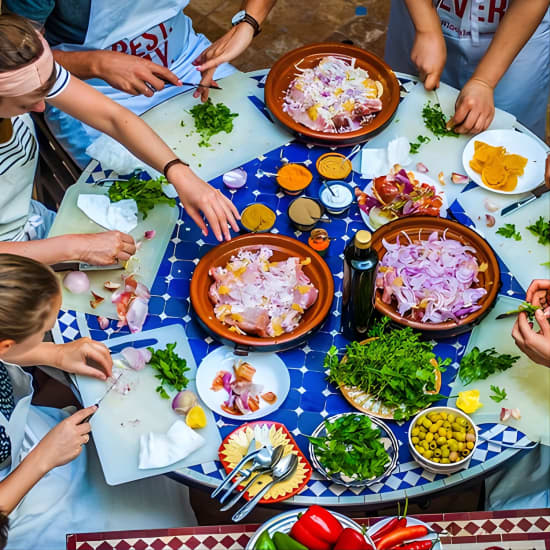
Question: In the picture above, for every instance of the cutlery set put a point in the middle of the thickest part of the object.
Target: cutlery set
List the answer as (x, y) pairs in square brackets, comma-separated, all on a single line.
[(256, 462)]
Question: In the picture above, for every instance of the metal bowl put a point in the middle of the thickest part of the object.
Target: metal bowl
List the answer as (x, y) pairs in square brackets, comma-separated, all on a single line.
[(284, 70), (387, 437), (284, 522)]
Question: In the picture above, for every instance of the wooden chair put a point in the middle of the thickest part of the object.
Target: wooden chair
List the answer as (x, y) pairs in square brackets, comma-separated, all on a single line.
[(56, 170)]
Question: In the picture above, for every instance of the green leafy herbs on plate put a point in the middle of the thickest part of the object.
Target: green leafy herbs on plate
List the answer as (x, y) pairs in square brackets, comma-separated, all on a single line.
[(397, 369), (414, 146), (434, 119), (541, 229), (479, 365), (351, 447), (171, 369), (509, 231), (146, 193), (499, 394), (211, 119)]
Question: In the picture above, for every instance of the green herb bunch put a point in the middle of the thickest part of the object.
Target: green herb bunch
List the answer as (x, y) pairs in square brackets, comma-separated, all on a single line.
[(146, 193), (352, 447), (509, 231), (397, 369), (434, 119), (171, 369), (479, 365), (211, 119), (541, 229)]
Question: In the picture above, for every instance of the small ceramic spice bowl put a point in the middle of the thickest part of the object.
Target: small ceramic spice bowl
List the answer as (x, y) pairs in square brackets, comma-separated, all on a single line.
[(336, 196), (257, 218), (293, 178), (333, 166), (305, 212)]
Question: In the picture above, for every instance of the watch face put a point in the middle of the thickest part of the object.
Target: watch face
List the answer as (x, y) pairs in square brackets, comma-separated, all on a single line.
[(238, 17)]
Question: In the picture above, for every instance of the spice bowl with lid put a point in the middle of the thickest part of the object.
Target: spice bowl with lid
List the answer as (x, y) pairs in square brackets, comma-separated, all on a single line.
[(336, 196), (305, 212)]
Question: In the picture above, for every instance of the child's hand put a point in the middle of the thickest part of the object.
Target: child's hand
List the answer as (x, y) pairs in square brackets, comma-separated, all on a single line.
[(64, 442), (474, 108), (429, 54), (86, 357), (538, 294)]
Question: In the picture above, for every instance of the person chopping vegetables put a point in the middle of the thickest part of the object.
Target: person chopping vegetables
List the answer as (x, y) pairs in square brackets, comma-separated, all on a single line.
[(50, 485), (137, 53), (29, 76), (495, 53)]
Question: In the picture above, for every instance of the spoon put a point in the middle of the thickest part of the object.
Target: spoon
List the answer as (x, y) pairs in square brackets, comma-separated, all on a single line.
[(355, 150), (275, 458), (261, 461), (325, 184), (282, 471), (260, 173)]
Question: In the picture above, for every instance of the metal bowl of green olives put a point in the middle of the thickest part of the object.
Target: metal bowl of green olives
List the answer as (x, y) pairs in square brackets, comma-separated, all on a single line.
[(442, 439)]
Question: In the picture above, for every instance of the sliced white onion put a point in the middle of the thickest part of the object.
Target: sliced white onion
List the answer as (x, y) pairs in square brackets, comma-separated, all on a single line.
[(76, 282)]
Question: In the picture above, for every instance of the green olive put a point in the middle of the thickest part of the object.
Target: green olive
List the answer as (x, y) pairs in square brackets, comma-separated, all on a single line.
[(419, 450), (465, 452), (429, 437), (421, 435), (425, 444), (415, 431), (444, 415), (451, 417), (433, 445), (428, 454), (442, 432), (470, 445), (437, 453), (441, 441), (435, 459), (459, 436), (445, 451), (427, 423), (445, 461)]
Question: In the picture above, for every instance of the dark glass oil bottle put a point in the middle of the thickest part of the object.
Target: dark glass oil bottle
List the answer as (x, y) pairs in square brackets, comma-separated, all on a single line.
[(360, 263)]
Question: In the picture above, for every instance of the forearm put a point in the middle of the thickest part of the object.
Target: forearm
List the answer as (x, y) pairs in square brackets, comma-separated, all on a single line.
[(14, 487), (518, 24), (47, 251), (84, 65), (424, 16), (259, 9), (46, 353)]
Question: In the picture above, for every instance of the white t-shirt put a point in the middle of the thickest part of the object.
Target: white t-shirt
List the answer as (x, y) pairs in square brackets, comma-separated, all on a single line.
[(18, 159)]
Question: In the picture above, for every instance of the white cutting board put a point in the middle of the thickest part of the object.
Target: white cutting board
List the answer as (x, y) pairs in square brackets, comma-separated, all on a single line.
[(145, 263), (115, 432), (439, 155), (253, 134), (523, 258), (526, 383)]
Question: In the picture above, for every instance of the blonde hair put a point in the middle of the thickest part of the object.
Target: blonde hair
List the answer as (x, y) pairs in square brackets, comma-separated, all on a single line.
[(27, 290)]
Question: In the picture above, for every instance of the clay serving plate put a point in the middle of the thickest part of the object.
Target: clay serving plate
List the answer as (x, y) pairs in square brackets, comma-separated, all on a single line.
[(283, 247), (284, 70), (420, 228)]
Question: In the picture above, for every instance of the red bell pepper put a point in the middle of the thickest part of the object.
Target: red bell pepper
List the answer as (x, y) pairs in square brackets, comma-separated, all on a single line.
[(317, 525), (350, 539), (401, 535)]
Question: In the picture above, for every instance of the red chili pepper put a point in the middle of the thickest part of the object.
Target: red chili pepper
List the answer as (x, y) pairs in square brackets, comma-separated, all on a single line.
[(401, 535), (303, 534), (416, 545), (320, 523), (350, 539), (392, 525)]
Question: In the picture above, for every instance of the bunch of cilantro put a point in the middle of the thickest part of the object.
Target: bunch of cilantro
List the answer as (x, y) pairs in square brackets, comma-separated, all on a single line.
[(434, 119), (397, 369), (146, 193), (171, 369), (211, 119), (351, 447)]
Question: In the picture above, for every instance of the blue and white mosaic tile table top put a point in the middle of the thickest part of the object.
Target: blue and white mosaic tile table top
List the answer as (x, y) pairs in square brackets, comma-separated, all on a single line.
[(311, 398)]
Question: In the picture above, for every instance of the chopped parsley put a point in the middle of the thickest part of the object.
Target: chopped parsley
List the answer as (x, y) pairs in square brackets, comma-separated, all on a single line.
[(509, 231), (479, 365), (434, 119), (415, 145), (541, 229), (211, 119)]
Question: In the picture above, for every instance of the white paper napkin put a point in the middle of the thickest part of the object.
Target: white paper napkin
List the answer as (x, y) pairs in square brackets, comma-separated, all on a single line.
[(119, 216), (378, 162), (160, 450)]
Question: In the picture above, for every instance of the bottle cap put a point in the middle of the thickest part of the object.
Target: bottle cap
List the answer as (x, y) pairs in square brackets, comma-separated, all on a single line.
[(362, 239)]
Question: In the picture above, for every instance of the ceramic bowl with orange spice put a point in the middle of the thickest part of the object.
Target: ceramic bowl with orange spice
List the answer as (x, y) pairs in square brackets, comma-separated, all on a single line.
[(293, 178)]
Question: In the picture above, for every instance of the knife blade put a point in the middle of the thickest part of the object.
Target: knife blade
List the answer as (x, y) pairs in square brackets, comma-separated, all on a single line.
[(507, 314), (113, 384), (535, 194), (81, 266)]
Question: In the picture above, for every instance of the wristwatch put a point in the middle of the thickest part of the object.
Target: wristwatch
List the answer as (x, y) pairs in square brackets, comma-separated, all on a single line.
[(243, 17)]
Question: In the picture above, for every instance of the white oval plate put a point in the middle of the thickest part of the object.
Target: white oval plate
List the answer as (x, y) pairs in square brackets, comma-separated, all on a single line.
[(422, 178), (410, 521), (271, 373), (518, 144)]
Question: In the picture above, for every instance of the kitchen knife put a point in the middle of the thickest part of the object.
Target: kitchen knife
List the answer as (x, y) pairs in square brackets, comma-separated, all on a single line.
[(80, 266), (535, 194), (113, 384)]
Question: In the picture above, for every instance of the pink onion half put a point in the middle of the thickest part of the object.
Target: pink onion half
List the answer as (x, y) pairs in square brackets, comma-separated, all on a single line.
[(76, 282)]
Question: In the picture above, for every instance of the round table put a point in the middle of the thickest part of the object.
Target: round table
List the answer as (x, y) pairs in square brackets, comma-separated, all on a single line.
[(311, 398)]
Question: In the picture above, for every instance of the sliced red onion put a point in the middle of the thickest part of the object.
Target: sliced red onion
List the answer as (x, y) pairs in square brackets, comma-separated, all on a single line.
[(76, 282), (103, 322), (459, 178), (235, 179), (136, 358), (505, 414), (422, 168), (184, 401), (149, 234), (226, 381), (136, 315)]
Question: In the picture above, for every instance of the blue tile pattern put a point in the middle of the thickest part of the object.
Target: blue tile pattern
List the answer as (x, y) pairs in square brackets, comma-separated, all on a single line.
[(311, 397)]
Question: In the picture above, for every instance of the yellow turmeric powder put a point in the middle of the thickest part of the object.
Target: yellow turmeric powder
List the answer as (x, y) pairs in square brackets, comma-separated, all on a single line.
[(258, 217), (294, 178)]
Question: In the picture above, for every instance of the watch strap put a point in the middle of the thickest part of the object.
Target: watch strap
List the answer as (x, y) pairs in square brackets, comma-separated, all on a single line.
[(247, 18), (171, 163)]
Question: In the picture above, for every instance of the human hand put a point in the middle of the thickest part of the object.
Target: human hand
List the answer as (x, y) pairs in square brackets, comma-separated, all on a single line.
[(105, 248), (474, 108), (232, 44), (536, 345), (538, 294), (198, 197), (133, 74), (85, 357), (429, 54), (64, 442)]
